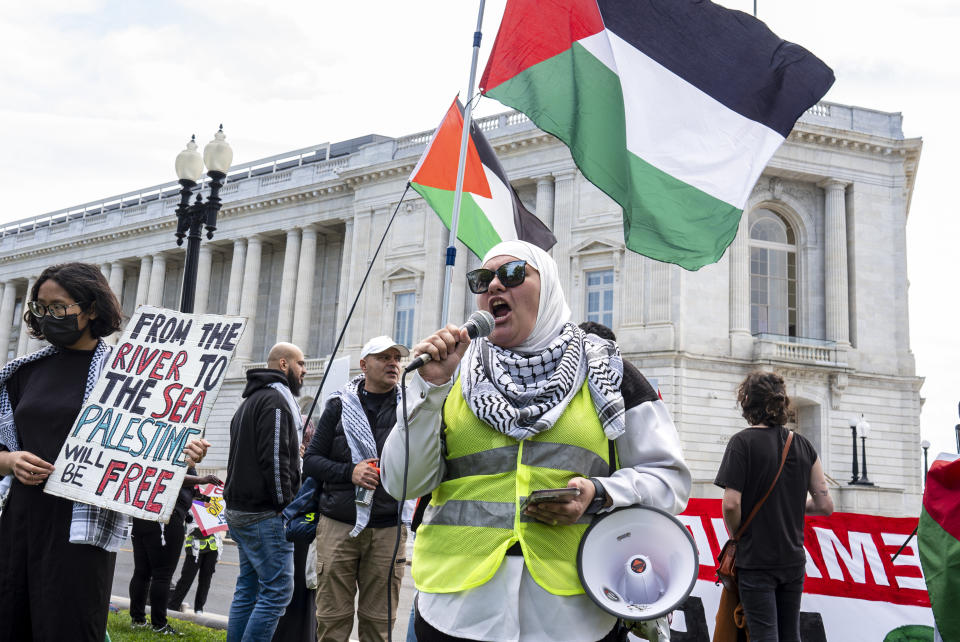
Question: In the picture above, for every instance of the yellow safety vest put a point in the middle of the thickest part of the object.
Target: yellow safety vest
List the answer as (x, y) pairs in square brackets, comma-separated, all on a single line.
[(474, 515), (201, 543)]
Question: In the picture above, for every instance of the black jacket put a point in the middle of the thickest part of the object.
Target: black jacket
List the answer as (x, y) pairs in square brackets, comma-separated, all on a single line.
[(328, 460), (263, 468)]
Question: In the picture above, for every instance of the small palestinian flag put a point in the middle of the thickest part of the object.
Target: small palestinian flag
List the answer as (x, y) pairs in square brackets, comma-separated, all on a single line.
[(490, 210), (939, 539), (671, 107)]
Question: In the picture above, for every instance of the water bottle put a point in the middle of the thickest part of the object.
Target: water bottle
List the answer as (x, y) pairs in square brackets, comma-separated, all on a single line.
[(364, 496)]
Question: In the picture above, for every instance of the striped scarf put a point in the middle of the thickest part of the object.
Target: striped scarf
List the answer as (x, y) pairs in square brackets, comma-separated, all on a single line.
[(89, 524), (359, 434), (292, 406), (521, 395)]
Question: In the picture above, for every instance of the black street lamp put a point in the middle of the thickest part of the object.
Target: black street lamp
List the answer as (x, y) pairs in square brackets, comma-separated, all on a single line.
[(856, 468), (864, 427), (217, 156), (926, 446)]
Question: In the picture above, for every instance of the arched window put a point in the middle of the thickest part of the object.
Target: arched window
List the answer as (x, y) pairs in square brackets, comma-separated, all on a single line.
[(773, 274)]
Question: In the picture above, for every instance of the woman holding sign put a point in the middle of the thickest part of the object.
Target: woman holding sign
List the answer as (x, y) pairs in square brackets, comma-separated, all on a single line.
[(56, 556)]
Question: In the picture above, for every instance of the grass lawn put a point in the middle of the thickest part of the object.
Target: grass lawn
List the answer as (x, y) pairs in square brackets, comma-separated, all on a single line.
[(118, 626)]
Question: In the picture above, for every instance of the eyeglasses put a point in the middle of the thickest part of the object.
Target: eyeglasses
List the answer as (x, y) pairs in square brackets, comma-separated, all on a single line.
[(510, 274), (56, 310)]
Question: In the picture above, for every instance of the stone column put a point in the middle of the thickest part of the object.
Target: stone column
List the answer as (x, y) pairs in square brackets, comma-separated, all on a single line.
[(248, 302), (835, 261), (202, 291), (116, 280), (288, 286), (741, 341), (236, 276), (105, 270), (343, 277), (157, 276), (7, 304), (23, 346), (116, 285), (360, 252), (143, 281), (563, 208), (545, 199), (303, 303)]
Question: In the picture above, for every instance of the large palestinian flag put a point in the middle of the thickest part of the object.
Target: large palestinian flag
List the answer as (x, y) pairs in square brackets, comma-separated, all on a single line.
[(490, 210), (671, 107), (939, 539)]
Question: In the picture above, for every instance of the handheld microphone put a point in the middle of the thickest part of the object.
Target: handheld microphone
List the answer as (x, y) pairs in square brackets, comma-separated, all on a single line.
[(480, 324)]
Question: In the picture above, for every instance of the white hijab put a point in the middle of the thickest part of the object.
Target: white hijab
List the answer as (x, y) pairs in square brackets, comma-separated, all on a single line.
[(553, 311)]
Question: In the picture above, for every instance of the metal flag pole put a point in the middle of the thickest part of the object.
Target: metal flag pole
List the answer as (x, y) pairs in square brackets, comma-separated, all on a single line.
[(458, 194)]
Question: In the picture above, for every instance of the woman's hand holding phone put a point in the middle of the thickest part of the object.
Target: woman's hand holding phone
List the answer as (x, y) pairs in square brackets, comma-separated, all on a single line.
[(561, 509)]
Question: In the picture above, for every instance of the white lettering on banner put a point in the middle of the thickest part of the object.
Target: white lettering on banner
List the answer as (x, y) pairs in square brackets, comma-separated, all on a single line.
[(861, 546), (897, 539), (811, 568), (844, 539), (720, 530), (695, 525)]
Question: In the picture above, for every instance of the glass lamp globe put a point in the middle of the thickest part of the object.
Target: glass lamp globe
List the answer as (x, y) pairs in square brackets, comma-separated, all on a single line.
[(189, 164), (864, 427), (217, 155)]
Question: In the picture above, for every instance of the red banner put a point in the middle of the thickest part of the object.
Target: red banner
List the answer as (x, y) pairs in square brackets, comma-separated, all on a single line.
[(854, 590), (848, 555)]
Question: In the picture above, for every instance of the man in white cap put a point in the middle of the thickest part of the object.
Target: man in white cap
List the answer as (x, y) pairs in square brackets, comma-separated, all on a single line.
[(356, 527)]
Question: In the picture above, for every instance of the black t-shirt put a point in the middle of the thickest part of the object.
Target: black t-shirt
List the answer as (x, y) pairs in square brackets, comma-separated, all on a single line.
[(774, 539), (46, 396)]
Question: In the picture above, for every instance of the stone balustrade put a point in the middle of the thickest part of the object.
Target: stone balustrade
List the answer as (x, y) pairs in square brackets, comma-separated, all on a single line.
[(774, 347)]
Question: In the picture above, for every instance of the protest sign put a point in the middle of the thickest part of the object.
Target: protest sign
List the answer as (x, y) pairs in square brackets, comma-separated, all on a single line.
[(125, 449), (209, 516)]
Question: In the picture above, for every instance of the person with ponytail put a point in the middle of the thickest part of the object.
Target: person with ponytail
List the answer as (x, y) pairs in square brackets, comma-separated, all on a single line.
[(770, 556)]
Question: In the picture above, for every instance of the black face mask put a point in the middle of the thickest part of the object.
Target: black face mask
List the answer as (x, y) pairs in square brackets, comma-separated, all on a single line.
[(61, 332)]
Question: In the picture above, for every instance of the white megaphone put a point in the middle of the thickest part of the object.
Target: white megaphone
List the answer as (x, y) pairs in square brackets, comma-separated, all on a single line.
[(638, 563)]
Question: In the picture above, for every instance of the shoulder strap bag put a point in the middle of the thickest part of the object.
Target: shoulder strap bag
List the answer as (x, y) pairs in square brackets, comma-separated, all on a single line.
[(726, 568)]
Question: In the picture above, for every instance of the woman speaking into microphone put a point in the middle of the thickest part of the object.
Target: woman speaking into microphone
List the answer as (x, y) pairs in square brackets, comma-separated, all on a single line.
[(536, 405)]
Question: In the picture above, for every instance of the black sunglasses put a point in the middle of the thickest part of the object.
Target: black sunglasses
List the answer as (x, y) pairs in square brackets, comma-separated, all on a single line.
[(510, 274)]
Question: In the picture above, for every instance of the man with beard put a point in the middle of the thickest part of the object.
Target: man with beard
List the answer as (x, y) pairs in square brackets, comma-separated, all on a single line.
[(263, 476), (357, 522)]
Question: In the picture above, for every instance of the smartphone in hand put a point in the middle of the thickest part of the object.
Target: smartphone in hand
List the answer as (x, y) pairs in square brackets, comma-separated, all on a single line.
[(550, 495)]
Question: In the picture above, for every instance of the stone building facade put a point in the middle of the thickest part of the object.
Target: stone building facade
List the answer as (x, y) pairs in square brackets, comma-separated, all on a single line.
[(814, 286)]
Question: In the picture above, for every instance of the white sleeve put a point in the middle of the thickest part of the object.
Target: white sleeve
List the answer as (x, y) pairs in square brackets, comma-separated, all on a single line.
[(426, 463), (653, 471)]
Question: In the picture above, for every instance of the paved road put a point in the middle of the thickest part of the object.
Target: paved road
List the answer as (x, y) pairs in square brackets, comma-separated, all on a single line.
[(225, 578)]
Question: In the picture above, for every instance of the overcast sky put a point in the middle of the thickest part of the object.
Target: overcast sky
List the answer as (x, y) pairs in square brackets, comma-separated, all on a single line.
[(98, 96)]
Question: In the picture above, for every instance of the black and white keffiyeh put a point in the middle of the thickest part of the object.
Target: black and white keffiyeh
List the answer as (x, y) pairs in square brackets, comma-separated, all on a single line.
[(89, 524), (522, 395), (292, 405), (356, 427)]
